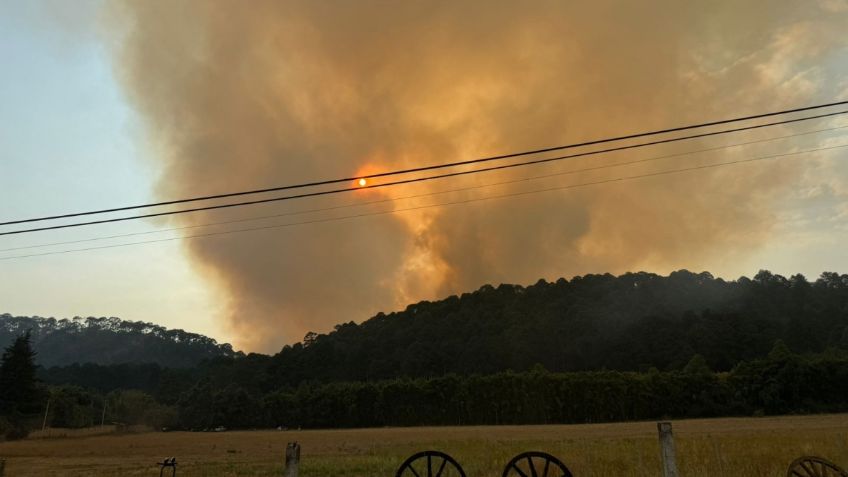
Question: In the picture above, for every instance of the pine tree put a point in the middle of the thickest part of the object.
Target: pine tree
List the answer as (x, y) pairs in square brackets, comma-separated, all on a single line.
[(18, 390)]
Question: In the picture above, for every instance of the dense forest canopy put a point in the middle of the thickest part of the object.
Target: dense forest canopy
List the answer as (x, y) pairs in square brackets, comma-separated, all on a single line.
[(688, 344), (109, 341), (633, 322), (780, 383)]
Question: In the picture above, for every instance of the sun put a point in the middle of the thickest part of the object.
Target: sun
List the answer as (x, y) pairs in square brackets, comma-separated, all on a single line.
[(362, 182)]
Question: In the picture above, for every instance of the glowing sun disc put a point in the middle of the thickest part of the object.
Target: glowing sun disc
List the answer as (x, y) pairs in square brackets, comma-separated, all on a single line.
[(362, 182)]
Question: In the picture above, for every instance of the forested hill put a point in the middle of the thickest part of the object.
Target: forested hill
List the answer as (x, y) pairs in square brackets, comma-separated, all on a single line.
[(632, 322), (110, 341), (546, 353)]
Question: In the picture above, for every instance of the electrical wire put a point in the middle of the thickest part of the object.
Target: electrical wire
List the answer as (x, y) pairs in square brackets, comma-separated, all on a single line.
[(458, 202), (437, 166), (418, 179), (427, 194)]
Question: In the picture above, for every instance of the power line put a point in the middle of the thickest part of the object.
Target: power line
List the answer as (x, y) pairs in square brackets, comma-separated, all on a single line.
[(420, 179), (427, 194), (434, 166), (458, 202)]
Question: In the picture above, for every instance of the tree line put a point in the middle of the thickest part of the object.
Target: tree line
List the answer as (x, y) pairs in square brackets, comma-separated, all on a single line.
[(592, 349), (780, 383), (632, 322), (586, 323), (109, 341)]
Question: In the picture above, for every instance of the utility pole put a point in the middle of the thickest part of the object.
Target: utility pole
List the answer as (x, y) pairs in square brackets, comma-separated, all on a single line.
[(103, 417), (292, 460), (46, 410), (669, 462)]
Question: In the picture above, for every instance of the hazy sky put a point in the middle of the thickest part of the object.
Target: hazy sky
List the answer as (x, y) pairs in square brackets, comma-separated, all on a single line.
[(117, 104), (68, 142)]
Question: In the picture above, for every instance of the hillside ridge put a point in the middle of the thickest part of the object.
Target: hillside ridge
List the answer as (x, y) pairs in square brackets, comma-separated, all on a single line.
[(110, 340)]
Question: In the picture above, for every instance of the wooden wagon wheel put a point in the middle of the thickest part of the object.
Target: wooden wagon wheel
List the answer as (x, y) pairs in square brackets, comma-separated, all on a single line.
[(536, 464), (430, 464), (809, 466)]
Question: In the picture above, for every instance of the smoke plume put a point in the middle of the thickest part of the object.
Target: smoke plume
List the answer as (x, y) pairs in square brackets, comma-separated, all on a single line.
[(248, 95)]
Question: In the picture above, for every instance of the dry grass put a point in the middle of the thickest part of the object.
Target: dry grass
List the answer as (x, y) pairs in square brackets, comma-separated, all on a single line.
[(749, 447), (61, 432)]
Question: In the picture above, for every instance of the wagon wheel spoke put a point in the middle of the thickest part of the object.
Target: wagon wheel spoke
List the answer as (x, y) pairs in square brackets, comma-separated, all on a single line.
[(532, 467), (815, 467), (444, 463), (808, 469), (522, 474), (805, 474)]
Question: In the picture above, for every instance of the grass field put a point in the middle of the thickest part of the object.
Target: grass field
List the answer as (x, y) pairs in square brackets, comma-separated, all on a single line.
[(748, 447)]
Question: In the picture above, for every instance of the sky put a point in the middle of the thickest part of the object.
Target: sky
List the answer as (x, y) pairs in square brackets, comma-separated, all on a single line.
[(119, 103), (69, 142)]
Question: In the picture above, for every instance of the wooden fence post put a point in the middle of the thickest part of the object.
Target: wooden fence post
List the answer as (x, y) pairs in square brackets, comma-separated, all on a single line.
[(292, 459), (669, 463)]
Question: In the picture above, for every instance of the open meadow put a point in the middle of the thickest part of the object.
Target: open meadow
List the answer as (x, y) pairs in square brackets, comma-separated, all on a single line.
[(749, 447)]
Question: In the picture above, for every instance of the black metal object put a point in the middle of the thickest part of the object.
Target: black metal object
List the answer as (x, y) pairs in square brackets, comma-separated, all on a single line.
[(172, 463), (536, 464), (810, 466), (431, 464)]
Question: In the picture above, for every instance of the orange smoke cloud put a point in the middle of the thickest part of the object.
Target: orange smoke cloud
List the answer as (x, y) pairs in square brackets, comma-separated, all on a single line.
[(239, 96)]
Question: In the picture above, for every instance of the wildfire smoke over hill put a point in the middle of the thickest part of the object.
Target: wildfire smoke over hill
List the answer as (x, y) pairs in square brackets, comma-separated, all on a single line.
[(281, 92)]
